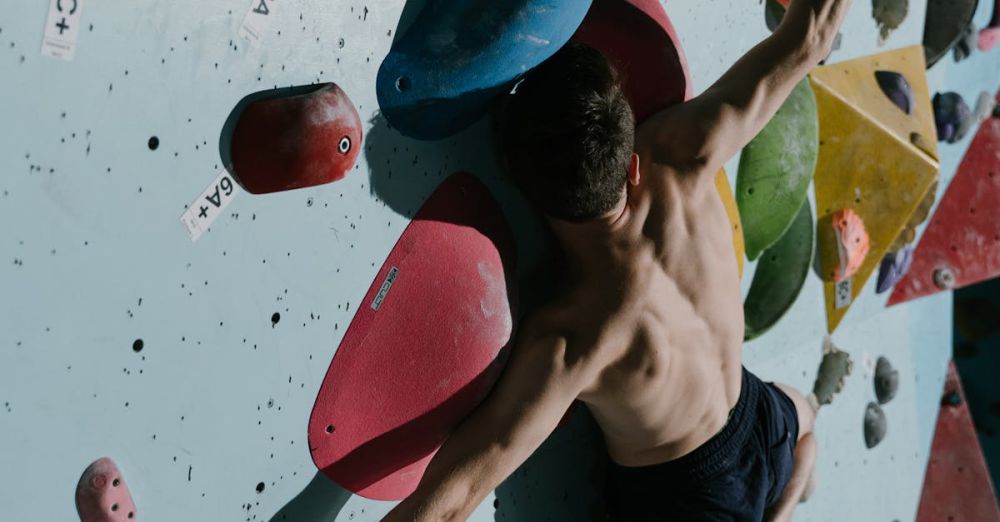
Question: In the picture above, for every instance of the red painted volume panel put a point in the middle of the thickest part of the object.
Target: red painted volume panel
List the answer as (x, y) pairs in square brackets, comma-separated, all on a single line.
[(963, 237), (424, 348), (957, 485)]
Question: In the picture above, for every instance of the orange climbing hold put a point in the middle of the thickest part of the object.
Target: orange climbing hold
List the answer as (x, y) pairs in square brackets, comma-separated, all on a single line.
[(852, 243)]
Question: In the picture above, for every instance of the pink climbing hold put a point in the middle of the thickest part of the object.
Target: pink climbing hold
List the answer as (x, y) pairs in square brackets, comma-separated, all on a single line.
[(989, 36), (852, 243), (101, 494)]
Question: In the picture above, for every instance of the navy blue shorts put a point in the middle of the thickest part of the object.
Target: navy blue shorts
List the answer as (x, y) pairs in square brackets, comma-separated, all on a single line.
[(736, 475)]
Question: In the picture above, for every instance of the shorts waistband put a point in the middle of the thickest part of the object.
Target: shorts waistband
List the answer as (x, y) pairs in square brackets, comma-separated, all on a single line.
[(713, 456)]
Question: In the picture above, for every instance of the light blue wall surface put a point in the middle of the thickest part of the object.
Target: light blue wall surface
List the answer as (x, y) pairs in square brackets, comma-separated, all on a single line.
[(93, 257)]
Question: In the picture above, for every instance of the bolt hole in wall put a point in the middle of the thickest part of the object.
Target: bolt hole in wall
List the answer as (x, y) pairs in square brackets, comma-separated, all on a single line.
[(403, 84)]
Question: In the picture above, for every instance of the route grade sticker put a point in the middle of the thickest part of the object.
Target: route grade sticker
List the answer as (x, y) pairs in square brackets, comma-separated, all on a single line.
[(209, 205), (62, 27), (257, 20), (843, 296)]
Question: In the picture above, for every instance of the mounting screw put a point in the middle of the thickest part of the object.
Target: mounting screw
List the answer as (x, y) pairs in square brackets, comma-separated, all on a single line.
[(944, 278)]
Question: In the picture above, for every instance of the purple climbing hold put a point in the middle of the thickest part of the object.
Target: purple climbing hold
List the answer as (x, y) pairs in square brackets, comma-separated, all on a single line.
[(896, 88), (950, 110), (894, 266)]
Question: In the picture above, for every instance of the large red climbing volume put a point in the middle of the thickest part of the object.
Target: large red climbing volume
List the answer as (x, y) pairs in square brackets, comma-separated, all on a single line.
[(957, 484), (637, 38), (961, 245), (425, 346)]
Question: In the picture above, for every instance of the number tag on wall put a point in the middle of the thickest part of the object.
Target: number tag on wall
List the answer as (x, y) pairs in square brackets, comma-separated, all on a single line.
[(843, 295), (209, 205), (62, 27), (257, 20)]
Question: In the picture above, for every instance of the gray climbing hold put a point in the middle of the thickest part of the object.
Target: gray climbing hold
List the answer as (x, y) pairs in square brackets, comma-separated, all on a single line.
[(875, 425), (889, 15), (896, 88), (966, 43), (886, 380), (950, 110), (834, 368), (985, 105)]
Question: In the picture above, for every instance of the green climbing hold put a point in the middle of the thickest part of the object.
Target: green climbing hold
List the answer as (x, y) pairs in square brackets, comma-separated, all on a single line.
[(776, 168), (779, 276)]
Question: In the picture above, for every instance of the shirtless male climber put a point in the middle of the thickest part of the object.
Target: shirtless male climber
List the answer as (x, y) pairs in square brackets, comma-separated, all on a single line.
[(648, 330)]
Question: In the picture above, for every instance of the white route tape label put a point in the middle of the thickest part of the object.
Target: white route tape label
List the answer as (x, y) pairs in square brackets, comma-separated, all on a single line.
[(62, 27), (209, 205), (257, 20), (843, 294)]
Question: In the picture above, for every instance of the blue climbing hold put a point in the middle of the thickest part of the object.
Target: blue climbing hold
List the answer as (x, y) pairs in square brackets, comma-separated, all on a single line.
[(950, 110), (894, 266), (896, 88), (458, 56)]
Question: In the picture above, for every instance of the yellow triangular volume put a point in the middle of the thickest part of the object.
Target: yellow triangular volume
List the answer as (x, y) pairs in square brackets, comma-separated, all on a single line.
[(868, 162), (854, 82), (729, 201)]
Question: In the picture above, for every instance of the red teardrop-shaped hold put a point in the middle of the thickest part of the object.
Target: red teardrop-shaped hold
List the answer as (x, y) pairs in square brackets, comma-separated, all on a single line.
[(289, 142), (425, 346)]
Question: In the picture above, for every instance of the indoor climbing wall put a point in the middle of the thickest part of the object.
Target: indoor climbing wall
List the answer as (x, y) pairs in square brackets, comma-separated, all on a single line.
[(195, 364)]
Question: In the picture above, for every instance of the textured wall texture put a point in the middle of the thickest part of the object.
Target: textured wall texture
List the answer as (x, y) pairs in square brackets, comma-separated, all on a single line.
[(208, 419)]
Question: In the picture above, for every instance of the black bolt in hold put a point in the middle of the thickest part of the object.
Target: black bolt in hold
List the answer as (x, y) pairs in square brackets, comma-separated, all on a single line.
[(154, 143), (137, 346)]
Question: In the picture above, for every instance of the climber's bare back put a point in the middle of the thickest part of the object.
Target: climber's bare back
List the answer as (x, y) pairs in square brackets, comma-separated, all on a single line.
[(664, 321)]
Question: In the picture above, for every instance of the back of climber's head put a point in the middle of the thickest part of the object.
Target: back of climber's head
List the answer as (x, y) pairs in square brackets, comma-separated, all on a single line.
[(567, 135)]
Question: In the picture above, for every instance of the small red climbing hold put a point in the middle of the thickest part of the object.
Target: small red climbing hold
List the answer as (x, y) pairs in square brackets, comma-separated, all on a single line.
[(289, 142), (101, 494)]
